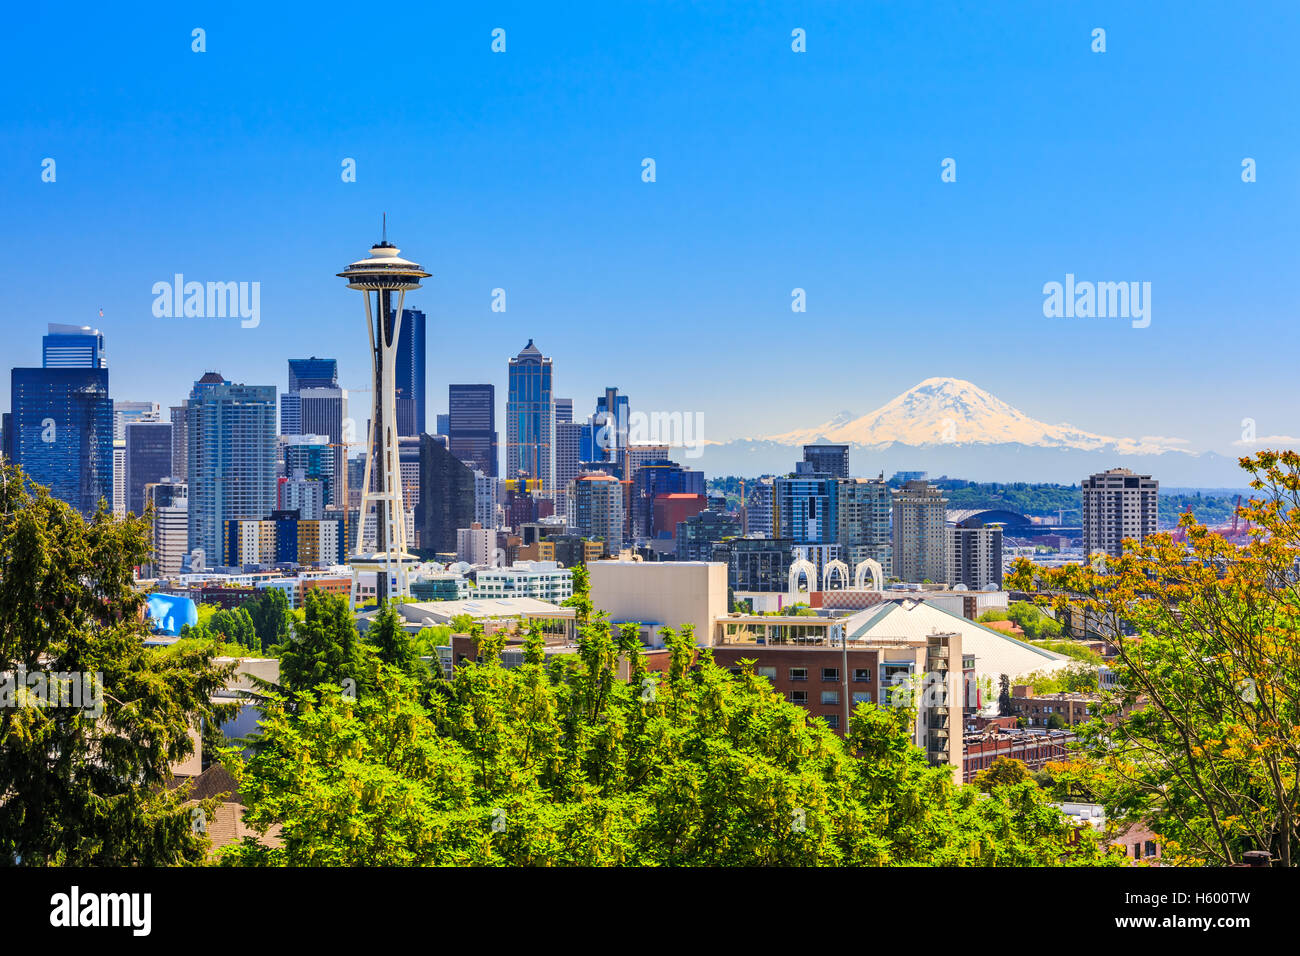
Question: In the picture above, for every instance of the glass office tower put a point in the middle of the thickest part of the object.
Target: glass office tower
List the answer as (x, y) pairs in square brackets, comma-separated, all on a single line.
[(232, 453), (530, 418), (409, 374), (62, 432), (148, 459), (472, 425)]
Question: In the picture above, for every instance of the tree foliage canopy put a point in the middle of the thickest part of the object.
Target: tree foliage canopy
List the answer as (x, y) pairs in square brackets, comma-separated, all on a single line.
[(78, 789), (1203, 738), (562, 761)]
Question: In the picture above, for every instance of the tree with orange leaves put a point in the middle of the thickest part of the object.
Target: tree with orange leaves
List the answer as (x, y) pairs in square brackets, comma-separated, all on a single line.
[(1209, 634)]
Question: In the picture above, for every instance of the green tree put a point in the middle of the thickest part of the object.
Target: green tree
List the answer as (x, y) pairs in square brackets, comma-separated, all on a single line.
[(580, 600), (393, 646), (1202, 738), (1036, 625), (234, 626), (270, 616), (76, 788), (1004, 771), (428, 638), (326, 648), (558, 761)]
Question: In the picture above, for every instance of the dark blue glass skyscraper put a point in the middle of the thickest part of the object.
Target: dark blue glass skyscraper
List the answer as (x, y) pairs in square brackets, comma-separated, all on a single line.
[(73, 346), (472, 425), (409, 374), (62, 432), (148, 459), (313, 373), (530, 418)]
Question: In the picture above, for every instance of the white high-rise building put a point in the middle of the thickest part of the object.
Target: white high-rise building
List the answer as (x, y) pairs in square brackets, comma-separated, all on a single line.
[(1118, 504), (303, 495), (171, 525), (488, 495), (476, 545)]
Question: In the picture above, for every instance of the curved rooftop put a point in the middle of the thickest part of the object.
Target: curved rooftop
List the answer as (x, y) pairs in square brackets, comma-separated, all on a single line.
[(978, 517)]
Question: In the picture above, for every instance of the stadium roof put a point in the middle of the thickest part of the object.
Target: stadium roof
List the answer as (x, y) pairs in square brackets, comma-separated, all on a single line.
[(975, 517)]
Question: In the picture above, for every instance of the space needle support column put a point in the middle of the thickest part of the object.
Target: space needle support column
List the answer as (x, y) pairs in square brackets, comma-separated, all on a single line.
[(383, 273)]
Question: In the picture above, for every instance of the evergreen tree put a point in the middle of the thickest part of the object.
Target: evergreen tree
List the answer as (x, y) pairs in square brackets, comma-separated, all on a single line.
[(77, 787), (326, 648), (270, 616), (392, 644)]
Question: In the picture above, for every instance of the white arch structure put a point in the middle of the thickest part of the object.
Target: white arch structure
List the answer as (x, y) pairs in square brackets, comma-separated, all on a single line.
[(807, 568), (869, 566), (830, 569)]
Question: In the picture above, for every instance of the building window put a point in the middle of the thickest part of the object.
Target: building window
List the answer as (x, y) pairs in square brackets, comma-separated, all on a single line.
[(830, 697), (799, 697), (862, 675), (1150, 848), (833, 721), (861, 697), (798, 673), (830, 674)]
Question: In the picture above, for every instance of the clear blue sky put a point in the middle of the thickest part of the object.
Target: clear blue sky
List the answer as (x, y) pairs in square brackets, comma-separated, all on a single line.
[(819, 170)]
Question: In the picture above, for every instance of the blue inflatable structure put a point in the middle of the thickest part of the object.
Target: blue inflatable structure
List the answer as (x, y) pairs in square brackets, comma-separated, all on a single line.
[(169, 613)]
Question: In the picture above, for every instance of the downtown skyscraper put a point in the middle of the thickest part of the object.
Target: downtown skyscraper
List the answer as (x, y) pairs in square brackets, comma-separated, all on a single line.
[(73, 346), (530, 418), (231, 458), (1118, 504), (61, 422), (472, 426), (147, 459), (920, 535), (315, 405), (408, 374)]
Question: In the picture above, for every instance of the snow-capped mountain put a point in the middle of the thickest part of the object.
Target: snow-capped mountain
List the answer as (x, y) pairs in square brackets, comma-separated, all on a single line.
[(950, 411), (947, 426)]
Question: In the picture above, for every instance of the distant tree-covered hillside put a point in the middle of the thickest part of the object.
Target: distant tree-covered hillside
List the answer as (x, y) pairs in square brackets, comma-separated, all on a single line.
[(1036, 499)]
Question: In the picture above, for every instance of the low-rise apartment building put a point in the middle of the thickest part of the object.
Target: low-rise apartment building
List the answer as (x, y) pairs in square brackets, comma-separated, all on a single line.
[(544, 580), (810, 661)]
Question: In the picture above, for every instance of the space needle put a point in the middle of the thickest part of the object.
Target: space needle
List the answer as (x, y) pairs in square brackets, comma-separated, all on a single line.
[(378, 277)]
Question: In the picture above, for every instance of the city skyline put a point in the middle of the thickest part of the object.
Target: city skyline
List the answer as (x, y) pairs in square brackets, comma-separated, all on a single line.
[(520, 175)]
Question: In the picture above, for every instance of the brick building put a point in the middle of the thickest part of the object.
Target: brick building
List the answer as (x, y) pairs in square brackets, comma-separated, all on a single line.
[(810, 662), (1032, 749)]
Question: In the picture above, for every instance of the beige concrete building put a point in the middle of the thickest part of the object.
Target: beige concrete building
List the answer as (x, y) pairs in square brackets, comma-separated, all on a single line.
[(659, 594), (920, 539), (1118, 504)]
